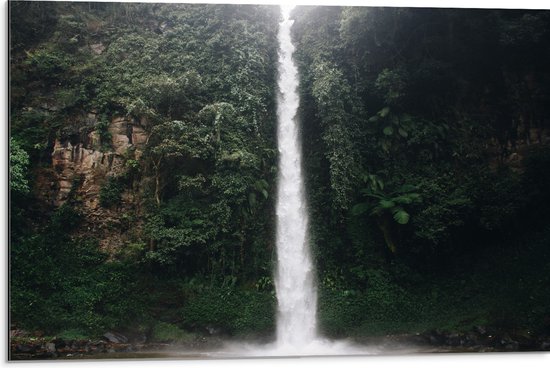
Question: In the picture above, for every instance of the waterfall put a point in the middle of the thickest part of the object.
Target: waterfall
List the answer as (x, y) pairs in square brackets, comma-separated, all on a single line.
[(294, 276), (294, 279)]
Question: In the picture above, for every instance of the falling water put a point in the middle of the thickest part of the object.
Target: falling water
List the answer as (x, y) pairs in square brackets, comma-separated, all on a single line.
[(294, 279), (296, 320)]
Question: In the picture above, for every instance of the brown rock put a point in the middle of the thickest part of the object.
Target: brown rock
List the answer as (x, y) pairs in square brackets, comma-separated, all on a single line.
[(119, 135), (97, 48)]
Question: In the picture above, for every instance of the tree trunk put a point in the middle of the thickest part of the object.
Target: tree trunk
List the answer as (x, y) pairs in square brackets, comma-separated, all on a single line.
[(384, 223)]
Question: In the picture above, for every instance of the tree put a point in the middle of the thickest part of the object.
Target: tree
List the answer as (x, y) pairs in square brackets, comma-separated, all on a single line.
[(177, 145), (19, 163), (385, 205)]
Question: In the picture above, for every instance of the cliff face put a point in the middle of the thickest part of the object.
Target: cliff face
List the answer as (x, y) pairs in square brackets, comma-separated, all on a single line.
[(89, 164), (81, 165)]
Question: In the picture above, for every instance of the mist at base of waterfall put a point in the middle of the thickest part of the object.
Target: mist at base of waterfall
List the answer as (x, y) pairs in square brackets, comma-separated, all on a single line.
[(316, 347)]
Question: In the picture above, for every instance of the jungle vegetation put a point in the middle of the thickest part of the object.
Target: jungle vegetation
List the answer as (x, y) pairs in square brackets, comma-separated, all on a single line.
[(426, 148)]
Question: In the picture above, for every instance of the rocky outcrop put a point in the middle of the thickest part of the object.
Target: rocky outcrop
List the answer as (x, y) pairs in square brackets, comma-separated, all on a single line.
[(127, 135), (82, 165), (26, 346)]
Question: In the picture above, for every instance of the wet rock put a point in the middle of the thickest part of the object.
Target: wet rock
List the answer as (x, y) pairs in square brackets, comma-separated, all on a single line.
[(212, 331), (124, 348), (18, 333), (525, 341), (418, 339), (436, 338), (25, 348), (454, 340), (59, 343), (511, 346), (115, 338), (50, 347), (140, 338), (471, 339), (20, 356), (481, 330)]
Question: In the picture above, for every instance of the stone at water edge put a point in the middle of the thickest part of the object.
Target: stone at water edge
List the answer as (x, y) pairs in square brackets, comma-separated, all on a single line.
[(115, 337), (50, 347)]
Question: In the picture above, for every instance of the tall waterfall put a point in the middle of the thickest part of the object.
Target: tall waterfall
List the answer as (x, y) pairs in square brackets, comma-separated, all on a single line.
[(294, 276), (294, 281)]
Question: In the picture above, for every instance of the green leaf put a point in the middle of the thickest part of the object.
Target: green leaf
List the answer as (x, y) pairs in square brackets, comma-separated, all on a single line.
[(384, 203), (384, 112), (401, 217), (406, 188), (388, 130), (264, 192), (407, 198), (395, 120), (359, 209), (402, 132), (406, 118), (252, 199), (403, 199)]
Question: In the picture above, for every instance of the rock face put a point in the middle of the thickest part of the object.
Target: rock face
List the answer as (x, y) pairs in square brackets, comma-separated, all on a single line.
[(82, 170), (81, 164), (82, 167)]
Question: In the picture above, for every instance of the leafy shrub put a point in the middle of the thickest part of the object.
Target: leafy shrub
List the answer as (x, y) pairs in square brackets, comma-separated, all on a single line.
[(19, 160), (169, 333), (234, 311), (110, 193), (48, 64), (72, 334), (59, 283)]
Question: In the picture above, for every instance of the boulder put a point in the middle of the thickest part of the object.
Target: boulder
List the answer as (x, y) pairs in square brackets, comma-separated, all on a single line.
[(115, 338), (25, 348), (18, 333), (481, 330), (50, 347)]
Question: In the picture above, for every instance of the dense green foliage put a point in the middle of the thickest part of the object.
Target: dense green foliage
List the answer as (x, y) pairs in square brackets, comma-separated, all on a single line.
[(61, 283), (426, 158), (411, 121), (200, 81), (19, 162)]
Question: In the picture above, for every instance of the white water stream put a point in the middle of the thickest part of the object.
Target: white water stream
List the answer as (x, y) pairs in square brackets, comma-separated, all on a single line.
[(295, 275), (294, 279), (297, 333)]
